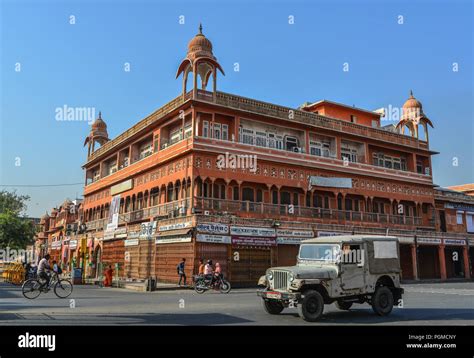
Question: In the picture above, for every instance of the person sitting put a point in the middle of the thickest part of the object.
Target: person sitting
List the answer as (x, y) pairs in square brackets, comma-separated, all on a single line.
[(43, 267), (218, 271), (208, 271)]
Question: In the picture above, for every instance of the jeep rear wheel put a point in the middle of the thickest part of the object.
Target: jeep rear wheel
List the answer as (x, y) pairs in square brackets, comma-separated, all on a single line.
[(345, 306), (273, 307), (382, 301), (311, 306)]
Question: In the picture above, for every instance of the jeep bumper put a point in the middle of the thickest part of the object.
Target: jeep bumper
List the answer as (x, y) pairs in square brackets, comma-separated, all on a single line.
[(279, 296)]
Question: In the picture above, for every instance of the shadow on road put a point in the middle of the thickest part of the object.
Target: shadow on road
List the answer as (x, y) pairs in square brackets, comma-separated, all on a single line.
[(404, 315)]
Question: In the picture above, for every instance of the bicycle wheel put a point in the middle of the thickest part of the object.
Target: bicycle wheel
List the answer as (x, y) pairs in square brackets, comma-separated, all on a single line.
[(63, 288), (30, 289)]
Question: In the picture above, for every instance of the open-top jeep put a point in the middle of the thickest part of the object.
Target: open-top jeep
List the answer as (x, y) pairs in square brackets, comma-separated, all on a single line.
[(340, 269)]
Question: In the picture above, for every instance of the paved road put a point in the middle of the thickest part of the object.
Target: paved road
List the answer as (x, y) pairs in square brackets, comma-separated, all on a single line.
[(434, 304)]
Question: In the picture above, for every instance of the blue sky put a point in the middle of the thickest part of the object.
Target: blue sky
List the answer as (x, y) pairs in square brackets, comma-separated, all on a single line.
[(82, 65)]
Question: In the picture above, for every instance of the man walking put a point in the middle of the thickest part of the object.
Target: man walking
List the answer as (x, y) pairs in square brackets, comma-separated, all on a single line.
[(181, 273)]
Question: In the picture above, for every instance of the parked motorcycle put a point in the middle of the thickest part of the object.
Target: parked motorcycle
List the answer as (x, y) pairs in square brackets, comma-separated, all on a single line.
[(203, 283)]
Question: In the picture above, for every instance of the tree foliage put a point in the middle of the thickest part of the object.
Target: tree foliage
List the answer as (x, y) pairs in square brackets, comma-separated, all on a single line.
[(16, 230)]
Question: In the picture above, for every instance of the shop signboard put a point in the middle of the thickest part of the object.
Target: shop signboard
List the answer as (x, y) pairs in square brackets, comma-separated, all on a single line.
[(345, 183), (252, 231), (108, 235), (253, 241), (131, 242), (428, 240), (211, 228), (455, 242), (176, 226), (172, 239), (73, 244), (282, 240), (295, 233), (133, 235), (217, 239), (147, 230), (120, 232), (471, 242), (330, 233), (56, 245)]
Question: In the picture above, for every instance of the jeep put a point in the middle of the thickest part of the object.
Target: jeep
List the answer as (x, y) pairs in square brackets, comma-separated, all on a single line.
[(339, 269)]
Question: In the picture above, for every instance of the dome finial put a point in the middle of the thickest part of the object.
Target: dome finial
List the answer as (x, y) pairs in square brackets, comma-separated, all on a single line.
[(411, 94), (100, 115), (200, 28)]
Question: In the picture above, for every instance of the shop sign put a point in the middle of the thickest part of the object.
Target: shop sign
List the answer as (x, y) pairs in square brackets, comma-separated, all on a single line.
[(345, 183), (121, 187), (217, 239), (471, 242), (120, 232), (55, 245), (428, 240), (147, 230), (213, 228), (172, 239), (131, 242), (295, 233), (455, 242), (329, 233), (253, 241), (291, 240), (252, 231), (109, 235), (176, 226), (133, 235), (72, 244), (456, 206)]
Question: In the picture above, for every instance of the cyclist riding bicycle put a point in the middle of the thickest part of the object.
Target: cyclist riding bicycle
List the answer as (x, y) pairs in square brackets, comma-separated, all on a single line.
[(43, 267)]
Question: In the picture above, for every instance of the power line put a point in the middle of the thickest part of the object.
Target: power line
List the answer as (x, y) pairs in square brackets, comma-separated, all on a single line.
[(39, 185)]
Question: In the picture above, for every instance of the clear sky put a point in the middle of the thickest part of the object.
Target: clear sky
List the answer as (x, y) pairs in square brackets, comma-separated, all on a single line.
[(390, 47)]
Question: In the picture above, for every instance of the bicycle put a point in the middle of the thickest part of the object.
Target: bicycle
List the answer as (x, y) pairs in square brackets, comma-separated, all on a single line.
[(62, 288)]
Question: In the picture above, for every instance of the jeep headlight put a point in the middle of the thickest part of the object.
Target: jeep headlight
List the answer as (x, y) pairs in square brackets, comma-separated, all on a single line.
[(291, 277), (270, 276)]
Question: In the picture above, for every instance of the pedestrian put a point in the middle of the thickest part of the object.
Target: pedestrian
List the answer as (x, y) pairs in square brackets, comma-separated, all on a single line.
[(108, 276), (181, 273), (208, 271)]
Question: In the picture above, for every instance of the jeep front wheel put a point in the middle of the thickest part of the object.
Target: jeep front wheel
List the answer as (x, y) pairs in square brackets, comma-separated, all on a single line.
[(382, 301), (311, 306), (273, 307), (345, 306)]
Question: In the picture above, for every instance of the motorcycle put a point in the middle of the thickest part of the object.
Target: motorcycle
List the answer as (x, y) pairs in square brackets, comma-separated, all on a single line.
[(216, 282)]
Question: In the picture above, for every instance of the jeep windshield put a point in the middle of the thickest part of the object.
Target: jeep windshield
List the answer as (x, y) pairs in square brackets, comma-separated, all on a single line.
[(319, 252)]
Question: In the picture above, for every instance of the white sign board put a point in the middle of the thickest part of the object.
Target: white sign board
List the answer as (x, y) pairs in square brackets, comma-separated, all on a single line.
[(177, 226), (295, 233), (252, 231), (217, 239), (212, 228)]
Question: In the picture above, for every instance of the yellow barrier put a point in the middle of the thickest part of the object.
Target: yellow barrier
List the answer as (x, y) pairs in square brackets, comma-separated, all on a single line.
[(14, 273)]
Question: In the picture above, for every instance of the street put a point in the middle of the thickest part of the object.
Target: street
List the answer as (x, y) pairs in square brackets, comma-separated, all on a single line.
[(423, 304)]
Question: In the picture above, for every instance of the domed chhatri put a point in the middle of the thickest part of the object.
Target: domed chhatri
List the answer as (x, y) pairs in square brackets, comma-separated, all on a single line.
[(44, 218), (201, 62), (97, 134), (413, 118)]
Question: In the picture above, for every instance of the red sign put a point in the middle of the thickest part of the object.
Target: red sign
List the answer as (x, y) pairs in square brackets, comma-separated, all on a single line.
[(253, 240)]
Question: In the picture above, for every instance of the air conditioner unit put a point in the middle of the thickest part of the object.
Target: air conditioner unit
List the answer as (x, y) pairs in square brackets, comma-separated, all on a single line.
[(182, 210), (206, 212), (427, 171), (297, 150)]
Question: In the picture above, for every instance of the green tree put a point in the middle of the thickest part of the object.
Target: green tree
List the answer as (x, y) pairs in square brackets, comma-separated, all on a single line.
[(16, 230)]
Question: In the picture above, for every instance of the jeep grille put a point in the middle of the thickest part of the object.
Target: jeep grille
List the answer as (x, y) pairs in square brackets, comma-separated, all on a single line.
[(280, 280)]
